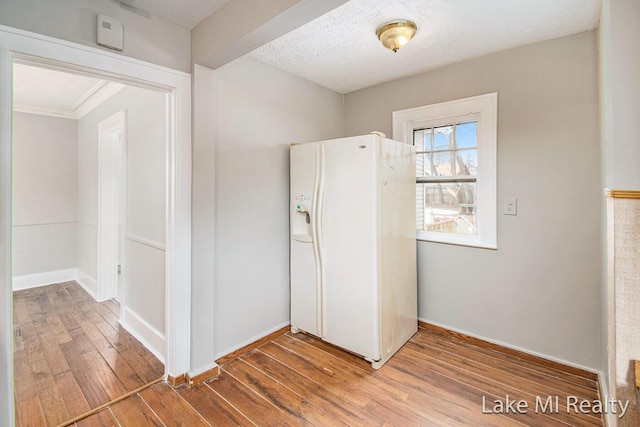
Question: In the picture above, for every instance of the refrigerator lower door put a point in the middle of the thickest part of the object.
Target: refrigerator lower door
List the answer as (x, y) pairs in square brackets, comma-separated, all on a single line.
[(304, 301), (349, 245), (304, 256)]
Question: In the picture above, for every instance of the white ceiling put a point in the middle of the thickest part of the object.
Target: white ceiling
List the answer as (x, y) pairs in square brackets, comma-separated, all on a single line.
[(55, 93), (340, 50)]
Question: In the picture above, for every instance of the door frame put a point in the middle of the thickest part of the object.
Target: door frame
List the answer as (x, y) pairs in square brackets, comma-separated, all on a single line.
[(17, 44), (111, 198)]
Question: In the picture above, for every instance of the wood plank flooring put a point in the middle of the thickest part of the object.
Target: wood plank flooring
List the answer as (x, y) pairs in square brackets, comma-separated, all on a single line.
[(296, 380), (71, 355)]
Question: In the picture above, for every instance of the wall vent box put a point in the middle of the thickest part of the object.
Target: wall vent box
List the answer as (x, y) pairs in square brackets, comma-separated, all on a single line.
[(109, 32)]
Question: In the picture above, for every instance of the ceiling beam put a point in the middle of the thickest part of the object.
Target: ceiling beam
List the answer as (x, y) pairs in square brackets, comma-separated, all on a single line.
[(241, 26)]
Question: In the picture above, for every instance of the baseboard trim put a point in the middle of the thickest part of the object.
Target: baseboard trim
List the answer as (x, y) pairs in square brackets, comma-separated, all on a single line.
[(193, 379), (539, 359), (608, 417), (29, 281), (150, 337), (254, 343), (176, 381), (88, 283)]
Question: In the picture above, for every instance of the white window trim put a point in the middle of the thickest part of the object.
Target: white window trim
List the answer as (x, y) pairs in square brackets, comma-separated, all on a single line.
[(486, 106)]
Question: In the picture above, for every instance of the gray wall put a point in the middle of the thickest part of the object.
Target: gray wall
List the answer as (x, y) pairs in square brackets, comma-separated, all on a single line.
[(540, 290), (148, 38), (260, 112), (205, 123), (44, 194), (621, 92)]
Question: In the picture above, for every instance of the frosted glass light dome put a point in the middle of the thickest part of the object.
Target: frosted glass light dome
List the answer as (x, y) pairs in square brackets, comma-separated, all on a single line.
[(396, 34)]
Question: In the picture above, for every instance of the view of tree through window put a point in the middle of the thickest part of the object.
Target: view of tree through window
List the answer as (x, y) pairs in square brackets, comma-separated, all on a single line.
[(446, 173)]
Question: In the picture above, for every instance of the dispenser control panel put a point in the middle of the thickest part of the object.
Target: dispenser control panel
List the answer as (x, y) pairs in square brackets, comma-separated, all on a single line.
[(302, 197), (302, 201)]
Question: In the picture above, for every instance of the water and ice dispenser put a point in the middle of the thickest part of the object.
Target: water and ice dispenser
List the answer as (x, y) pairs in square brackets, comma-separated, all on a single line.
[(301, 228)]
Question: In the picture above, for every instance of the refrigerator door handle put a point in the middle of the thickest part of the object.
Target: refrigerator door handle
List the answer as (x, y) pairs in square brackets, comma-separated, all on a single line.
[(320, 266), (314, 238)]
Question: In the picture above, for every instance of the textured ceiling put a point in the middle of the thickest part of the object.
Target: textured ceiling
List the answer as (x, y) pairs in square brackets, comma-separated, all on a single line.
[(340, 50)]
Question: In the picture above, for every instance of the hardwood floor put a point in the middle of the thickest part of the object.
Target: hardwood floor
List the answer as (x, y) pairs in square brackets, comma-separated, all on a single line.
[(295, 380), (71, 355)]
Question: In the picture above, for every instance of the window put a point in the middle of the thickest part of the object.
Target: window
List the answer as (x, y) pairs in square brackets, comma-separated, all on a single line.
[(455, 169)]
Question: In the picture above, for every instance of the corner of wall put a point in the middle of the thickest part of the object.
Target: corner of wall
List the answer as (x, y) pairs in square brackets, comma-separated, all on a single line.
[(151, 338)]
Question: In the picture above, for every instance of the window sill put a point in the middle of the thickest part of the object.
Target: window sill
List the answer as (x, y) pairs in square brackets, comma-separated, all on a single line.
[(458, 240)]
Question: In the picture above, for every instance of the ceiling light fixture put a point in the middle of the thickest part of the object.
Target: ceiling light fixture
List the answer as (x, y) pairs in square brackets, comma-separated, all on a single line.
[(396, 34)]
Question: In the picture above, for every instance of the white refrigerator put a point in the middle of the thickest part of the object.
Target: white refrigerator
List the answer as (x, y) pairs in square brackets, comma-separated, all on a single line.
[(353, 244)]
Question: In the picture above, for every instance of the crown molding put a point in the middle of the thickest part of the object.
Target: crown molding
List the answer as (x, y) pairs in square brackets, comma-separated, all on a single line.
[(45, 110), (98, 94)]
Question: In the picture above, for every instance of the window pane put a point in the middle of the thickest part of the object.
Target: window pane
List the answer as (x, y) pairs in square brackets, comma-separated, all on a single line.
[(422, 163), (427, 139), (447, 208), (422, 139), (466, 135), (429, 167), (419, 207), (442, 163), (418, 139), (442, 138), (467, 162)]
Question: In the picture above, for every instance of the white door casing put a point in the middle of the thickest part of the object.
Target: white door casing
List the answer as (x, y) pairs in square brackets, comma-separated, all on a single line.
[(46, 51), (111, 142), (6, 295)]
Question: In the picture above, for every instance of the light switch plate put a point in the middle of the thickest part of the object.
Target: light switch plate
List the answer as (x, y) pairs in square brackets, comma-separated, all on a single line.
[(510, 206)]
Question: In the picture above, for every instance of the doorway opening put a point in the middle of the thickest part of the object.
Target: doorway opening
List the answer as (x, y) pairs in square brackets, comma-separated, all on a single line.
[(23, 46), (76, 243), (90, 184)]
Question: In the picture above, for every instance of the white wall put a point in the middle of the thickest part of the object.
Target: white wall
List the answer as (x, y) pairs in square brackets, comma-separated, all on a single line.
[(540, 290), (148, 38), (88, 196), (144, 266), (146, 206), (45, 194), (260, 112)]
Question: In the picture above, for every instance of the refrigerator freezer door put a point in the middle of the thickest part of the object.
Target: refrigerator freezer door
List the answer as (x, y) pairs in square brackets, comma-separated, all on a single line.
[(304, 260), (348, 238)]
